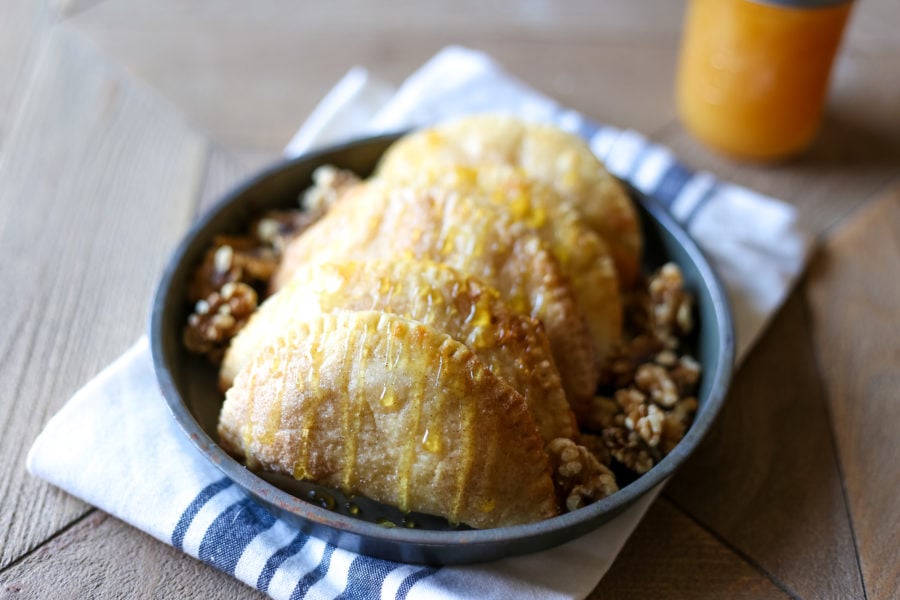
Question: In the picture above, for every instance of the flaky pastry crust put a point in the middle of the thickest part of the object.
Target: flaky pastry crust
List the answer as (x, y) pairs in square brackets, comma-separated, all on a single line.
[(376, 404), (555, 157), (381, 220), (583, 256), (513, 346)]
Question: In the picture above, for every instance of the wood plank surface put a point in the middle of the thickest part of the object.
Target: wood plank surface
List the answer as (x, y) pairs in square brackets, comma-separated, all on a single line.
[(99, 174), (70, 8), (101, 557), (589, 58), (766, 479), (873, 28), (670, 556), (850, 162), (225, 169), (23, 27), (96, 185), (249, 74), (857, 151), (663, 558), (855, 311)]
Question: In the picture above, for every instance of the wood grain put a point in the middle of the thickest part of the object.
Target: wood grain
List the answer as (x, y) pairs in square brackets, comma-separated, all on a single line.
[(873, 28), (98, 175), (70, 8), (23, 27), (852, 160), (857, 151), (96, 184), (766, 479), (856, 315), (670, 556), (101, 557), (663, 558), (250, 73), (225, 169)]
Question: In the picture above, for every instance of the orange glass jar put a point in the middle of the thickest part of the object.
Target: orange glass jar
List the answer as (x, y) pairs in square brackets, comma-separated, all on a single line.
[(753, 75)]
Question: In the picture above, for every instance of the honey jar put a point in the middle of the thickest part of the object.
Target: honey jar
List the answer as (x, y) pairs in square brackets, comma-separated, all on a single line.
[(753, 74)]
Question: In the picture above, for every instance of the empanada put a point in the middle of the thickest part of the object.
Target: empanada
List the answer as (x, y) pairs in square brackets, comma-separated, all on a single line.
[(555, 157), (582, 254), (512, 345), (380, 220), (376, 404)]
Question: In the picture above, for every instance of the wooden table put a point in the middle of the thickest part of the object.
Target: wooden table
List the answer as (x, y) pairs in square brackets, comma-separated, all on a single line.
[(119, 119)]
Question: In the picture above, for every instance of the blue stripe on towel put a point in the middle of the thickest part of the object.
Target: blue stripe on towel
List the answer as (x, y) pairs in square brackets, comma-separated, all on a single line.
[(587, 129), (275, 561), (637, 162), (703, 201), (231, 532), (671, 184), (365, 578), (314, 576), (574, 122), (184, 522), (410, 581)]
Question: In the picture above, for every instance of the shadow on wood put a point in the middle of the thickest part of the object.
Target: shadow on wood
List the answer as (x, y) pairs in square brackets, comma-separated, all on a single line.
[(766, 480)]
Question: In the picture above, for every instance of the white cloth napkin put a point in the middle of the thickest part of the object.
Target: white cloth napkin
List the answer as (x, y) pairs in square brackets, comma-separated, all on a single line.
[(115, 445)]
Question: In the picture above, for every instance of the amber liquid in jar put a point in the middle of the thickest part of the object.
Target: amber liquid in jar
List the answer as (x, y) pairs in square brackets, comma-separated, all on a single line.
[(753, 75)]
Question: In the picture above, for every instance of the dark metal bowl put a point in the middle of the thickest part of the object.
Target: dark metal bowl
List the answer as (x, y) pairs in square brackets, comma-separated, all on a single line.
[(189, 383)]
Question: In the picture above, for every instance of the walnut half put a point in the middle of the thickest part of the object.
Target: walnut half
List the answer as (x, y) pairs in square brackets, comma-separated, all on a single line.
[(648, 387), (217, 318), (578, 476)]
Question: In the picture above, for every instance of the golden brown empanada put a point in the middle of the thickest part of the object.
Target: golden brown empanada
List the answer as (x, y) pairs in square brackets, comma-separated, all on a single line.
[(380, 220), (547, 154), (582, 254), (376, 404), (512, 345)]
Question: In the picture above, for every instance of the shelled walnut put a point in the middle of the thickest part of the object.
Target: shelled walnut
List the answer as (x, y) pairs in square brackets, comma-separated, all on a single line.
[(247, 262), (579, 478), (649, 386)]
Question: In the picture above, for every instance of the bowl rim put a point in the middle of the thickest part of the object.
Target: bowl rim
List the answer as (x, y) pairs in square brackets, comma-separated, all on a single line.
[(589, 517)]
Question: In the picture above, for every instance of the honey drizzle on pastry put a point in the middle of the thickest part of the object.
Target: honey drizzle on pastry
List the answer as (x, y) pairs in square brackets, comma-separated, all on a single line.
[(417, 396), (540, 153), (464, 473), (472, 419), (352, 414), (301, 463), (492, 450), (431, 437), (486, 244), (247, 429), (472, 449), (470, 311), (273, 418)]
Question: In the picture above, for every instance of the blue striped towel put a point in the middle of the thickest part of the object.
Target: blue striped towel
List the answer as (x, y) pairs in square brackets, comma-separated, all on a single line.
[(115, 445)]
